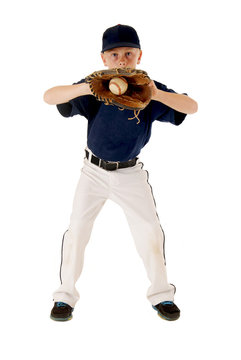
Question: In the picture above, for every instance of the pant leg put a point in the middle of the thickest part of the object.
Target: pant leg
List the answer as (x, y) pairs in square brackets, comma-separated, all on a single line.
[(90, 196), (133, 193)]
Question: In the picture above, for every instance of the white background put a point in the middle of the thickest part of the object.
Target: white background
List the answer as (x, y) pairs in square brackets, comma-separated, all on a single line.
[(194, 170)]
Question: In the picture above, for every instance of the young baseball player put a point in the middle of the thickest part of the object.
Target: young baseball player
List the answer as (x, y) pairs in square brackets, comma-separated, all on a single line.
[(112, 170)]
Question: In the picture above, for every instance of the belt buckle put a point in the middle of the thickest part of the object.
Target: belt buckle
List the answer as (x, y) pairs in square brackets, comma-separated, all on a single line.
[(109, 165)]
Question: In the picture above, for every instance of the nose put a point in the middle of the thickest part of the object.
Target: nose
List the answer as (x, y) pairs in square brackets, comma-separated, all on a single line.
[(122, 62)]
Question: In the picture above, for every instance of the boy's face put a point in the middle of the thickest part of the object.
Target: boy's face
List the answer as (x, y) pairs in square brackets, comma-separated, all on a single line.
[(122, 57)]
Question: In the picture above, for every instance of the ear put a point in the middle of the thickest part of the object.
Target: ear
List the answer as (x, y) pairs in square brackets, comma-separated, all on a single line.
[(139, 58), (103, 58)]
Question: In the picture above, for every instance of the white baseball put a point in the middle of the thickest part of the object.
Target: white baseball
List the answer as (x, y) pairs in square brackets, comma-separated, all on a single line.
[(118, 85)]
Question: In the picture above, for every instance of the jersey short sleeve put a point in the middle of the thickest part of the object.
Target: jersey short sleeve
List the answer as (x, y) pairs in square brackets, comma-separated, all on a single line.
[(164, 113), (85, 105)]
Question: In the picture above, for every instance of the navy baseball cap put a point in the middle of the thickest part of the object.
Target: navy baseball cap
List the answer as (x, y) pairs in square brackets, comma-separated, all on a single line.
[(120, 36)]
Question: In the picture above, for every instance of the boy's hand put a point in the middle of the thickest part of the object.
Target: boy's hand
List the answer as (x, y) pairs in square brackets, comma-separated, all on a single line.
[(154, 90), (178, 102)]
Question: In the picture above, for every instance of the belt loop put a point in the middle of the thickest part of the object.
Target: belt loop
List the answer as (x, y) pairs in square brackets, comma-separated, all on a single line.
[(87, 154)]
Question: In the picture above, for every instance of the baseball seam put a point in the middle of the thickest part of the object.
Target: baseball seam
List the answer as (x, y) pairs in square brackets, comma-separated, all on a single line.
[(118, 86)]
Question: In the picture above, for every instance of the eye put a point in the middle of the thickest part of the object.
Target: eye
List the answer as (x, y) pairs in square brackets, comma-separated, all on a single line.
[(128, 54), (114, 55)]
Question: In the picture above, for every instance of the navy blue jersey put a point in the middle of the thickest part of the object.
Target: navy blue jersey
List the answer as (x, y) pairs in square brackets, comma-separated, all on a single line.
[(111, 136)]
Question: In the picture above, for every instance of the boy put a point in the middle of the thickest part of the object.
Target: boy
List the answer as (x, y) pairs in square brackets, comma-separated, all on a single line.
[(112, 170)]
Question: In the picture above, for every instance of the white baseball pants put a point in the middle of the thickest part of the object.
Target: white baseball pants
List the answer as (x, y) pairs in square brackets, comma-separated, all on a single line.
[(130, 189)]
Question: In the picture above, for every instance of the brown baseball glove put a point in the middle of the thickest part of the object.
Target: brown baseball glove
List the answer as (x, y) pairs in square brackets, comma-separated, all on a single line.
[(137, 95)]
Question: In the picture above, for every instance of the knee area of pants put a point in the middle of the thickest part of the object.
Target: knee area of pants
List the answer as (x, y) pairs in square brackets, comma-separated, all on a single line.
[(155, 238)]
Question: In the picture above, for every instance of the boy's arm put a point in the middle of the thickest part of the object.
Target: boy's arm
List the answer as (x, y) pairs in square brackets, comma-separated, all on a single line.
[(63, 94), (179, 102)]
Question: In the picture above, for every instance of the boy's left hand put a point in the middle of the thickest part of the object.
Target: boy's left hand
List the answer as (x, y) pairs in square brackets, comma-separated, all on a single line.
[(154, 89), (178, 102)]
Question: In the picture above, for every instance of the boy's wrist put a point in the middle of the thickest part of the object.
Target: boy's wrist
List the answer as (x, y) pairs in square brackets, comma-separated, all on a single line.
[(158, 95), (84, 89)]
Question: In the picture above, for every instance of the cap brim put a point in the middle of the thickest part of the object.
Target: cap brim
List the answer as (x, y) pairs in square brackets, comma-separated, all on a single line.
[(116, 45)]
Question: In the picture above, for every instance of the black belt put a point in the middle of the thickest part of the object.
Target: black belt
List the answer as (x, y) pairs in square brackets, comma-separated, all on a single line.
[(110, 165)]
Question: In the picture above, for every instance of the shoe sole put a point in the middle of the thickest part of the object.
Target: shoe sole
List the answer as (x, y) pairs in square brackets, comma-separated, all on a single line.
[(164, 317), (60, 319)]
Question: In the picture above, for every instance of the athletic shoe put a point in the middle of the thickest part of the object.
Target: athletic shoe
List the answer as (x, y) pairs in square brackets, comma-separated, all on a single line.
[(167, 310), (61, 312)]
